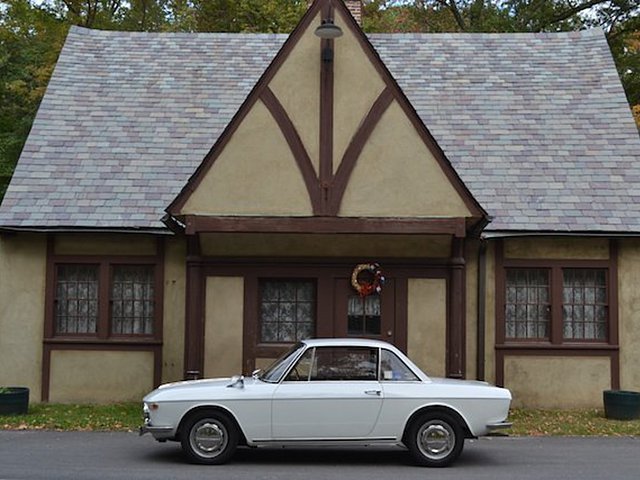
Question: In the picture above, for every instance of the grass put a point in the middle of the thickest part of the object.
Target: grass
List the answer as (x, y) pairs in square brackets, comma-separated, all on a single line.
[(51, 416), (586, 422), (128, 417)]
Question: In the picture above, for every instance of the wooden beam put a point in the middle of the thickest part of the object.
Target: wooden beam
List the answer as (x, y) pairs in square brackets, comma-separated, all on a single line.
[(422, 226)]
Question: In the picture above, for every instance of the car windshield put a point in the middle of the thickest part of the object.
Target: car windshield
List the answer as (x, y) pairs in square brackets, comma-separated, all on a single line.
[(281, 365)]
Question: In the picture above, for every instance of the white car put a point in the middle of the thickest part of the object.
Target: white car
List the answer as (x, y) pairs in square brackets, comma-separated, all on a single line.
[(328, 392)]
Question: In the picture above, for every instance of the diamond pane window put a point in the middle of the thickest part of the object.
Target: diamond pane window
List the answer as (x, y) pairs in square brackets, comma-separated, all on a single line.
[(76, 299), (287, 310), (527, 306), (132, 300), (584, 305)]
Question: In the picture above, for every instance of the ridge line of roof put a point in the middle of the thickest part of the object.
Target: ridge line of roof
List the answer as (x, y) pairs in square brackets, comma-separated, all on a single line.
[(586, 33)]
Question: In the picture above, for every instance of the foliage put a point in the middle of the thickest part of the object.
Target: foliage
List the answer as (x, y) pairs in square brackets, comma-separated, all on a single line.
[(30, 39), (278, 16)]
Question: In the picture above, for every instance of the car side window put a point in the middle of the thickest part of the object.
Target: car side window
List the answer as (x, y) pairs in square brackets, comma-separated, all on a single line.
[(344, 363), (392, 369), (301, 371)]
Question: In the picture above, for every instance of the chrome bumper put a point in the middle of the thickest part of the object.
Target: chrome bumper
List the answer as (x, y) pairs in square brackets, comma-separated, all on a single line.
[(157, 432), (499, 425)]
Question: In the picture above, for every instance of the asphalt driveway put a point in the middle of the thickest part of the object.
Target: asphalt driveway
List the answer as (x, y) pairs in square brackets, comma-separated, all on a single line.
[(90, 455)]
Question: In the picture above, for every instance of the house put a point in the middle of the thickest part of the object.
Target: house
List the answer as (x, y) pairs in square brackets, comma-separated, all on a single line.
[(190, 205)]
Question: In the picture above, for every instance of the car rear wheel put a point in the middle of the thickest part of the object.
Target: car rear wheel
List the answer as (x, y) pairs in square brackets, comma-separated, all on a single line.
[(435, 439), (209, 438)]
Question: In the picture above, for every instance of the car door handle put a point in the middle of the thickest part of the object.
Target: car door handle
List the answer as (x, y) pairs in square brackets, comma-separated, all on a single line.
[(373, 392)]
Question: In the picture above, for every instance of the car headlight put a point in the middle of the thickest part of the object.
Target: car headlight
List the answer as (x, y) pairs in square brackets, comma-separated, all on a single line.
[(146, 414)]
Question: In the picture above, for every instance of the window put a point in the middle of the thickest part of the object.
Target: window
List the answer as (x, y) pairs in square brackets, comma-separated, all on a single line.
[(584, 304), (104, 300), (556, 304), (287, 310), (76, 302), (392, 369), (336, 364), (132, 305), (363, 316), (528, 309)]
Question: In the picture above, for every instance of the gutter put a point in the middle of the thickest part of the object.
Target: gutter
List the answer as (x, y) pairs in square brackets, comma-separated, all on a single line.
[(133, 230), (515, 234)]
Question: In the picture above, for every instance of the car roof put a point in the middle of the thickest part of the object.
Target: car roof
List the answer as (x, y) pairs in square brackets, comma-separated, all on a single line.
[(347, 342)]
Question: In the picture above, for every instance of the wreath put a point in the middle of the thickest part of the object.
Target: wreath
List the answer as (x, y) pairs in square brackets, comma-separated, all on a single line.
[(373, 281)]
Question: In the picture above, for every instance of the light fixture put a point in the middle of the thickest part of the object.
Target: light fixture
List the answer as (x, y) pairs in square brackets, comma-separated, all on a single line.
[(328, 29)]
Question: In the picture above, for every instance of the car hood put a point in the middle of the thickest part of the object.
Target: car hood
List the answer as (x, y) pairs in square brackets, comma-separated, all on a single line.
[(194, 388)]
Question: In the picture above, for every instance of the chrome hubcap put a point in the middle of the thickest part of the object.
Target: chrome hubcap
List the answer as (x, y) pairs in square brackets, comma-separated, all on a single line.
[(436, 439), (208, 437)]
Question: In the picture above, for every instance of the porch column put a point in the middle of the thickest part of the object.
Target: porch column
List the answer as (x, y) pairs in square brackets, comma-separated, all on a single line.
[(456, 329), (194, 316)]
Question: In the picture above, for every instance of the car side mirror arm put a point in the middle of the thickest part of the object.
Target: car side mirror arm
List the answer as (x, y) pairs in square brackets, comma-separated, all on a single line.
[(237, 381)]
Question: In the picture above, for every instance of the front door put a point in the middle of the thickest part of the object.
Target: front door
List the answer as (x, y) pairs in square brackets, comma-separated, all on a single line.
[(371, 316)]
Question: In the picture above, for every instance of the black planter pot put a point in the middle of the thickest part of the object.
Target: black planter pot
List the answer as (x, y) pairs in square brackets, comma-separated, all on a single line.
[(15, 401), (621, 404)]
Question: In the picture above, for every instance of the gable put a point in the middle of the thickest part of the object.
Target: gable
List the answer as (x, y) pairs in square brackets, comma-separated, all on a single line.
[(326, 132)]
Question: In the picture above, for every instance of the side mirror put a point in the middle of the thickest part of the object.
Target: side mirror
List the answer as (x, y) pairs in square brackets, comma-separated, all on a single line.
[(237, 381), (256, 373)]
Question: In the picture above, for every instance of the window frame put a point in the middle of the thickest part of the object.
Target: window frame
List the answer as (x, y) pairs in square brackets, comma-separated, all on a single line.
[(261, 284), (556, 323), (105, 265)]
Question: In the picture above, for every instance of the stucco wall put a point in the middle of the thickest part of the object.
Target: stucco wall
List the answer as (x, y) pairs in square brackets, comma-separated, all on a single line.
[(174, 309), (629, 313), (297, 83), (22, 286), (256, 174), (223, 326), (100, 376), (557, 382), (412, 185), (111, 244), (427, 324), (562, 248), (357, 84)]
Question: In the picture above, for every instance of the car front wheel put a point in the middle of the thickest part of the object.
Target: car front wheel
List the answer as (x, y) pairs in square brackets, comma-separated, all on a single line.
[(209, 438), (435, 439)]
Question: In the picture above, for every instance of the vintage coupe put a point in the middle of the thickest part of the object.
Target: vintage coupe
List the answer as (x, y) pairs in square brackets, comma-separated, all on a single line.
[(327, 392)]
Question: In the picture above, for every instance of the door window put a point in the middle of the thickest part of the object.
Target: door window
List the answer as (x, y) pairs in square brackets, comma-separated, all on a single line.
[(363, 316)]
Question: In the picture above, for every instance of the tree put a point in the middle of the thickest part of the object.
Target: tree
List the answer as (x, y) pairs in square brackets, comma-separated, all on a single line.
[(277, 16), (30, 39)]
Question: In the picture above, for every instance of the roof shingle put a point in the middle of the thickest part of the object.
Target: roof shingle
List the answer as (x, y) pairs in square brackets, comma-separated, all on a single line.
[(536, 125)]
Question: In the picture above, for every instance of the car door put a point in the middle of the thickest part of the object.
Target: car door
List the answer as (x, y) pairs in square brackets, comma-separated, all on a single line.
[(331, 393)]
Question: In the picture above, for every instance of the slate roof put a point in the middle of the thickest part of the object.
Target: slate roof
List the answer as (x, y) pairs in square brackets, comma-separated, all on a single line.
[(536, 125)]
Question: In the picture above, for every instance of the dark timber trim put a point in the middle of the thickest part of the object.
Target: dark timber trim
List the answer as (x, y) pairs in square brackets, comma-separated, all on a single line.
[(428, 226), (355, 147), (297, 148)]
